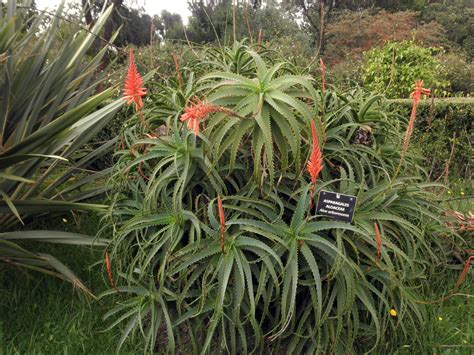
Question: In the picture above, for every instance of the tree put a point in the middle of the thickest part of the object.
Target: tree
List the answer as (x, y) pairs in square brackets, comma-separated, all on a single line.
[(136, 24), (316, 13), (212, 21), (209, 20), (172, 27), (319, 14)]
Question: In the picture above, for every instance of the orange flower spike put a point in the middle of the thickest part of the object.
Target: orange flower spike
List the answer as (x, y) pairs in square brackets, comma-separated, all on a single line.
[(379, 241), (109, 270), (315, 163), (259, 41), (176, 67), (323, 83), (464, 272), (222, 220), (416, 96), (133, 90)]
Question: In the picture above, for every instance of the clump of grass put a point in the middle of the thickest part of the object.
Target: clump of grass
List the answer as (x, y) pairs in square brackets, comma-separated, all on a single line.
[(40, 314), (449, 326)]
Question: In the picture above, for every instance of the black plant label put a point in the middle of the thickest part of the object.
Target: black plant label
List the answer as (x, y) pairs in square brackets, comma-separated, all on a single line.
[(337, 206)]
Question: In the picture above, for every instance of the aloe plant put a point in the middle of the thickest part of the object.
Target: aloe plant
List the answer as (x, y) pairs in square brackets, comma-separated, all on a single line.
[(262, 272), (49, 109)]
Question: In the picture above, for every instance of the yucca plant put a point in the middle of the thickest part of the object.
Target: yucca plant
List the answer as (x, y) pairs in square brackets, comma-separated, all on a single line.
[(213, 225), (50, 108)]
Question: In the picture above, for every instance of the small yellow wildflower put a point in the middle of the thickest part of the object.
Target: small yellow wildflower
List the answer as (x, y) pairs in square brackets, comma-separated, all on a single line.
[(440, 318), (449, 192), (393, 312), (462, 193), (64, 220)]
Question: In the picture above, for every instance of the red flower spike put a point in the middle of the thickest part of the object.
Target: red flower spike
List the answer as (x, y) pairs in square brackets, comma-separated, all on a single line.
[(323, 83), (416, 95), (464, 272), (379, 241), (176, 67), (109, 270), (222, 220), (133, 90), (198, 111), (315, 163), (259, 42)]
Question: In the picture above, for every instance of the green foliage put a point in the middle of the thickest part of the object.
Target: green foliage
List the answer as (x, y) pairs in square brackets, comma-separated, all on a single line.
[(395, 67), (280, 277), (437, 124), (47, 105)]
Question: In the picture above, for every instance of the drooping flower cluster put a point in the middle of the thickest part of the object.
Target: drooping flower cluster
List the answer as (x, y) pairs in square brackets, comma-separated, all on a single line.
[(315, 163), (133, 90), (197, 111)]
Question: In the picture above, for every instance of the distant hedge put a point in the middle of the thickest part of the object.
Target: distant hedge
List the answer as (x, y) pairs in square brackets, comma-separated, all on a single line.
[(437, 121)]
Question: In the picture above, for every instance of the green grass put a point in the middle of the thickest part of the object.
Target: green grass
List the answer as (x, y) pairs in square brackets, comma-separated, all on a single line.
[(42, 315), (449, 328), (45, 315), (460, 196)]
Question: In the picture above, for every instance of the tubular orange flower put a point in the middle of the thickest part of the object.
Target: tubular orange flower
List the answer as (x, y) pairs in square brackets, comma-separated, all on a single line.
[(315, 163), (133, 90), (109, 270), (222, 220), (323, 83), (199, 110), (379, 241)]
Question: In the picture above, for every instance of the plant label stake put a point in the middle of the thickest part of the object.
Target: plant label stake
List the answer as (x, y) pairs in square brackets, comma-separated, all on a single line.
[(337, 206)]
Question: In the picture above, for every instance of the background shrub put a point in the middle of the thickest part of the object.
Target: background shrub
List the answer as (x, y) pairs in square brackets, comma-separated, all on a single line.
[(458, 71), (393, 68)]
